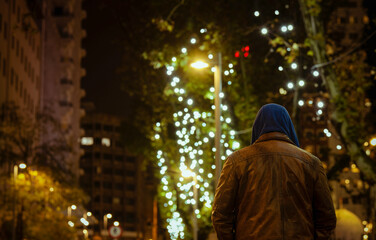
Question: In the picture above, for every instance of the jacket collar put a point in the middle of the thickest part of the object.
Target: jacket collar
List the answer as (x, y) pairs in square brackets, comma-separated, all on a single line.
[(273, 136)]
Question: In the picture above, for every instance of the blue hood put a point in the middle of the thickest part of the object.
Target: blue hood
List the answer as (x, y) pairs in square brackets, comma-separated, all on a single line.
[(273, 118)]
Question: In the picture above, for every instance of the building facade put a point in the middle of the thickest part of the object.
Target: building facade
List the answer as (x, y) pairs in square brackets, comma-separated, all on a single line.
[(20, 56), (114, 179), (62, 72)]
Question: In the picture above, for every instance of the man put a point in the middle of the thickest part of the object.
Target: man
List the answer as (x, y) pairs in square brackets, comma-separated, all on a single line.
[(273, 189)]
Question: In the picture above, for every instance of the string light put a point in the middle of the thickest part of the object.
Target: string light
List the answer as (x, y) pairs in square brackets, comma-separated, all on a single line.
[(193, 130)]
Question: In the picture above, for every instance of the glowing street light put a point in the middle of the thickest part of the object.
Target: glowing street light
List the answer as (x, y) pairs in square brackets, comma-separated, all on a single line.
[(199, 65), (217, 111)]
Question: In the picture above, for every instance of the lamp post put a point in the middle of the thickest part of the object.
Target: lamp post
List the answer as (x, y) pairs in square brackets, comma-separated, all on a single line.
[(217, 111), (105, 220), (15, 175)]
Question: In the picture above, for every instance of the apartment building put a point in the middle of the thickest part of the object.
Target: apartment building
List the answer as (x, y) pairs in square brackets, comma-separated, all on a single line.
[(114, 179), (62, 72), (20, 56)]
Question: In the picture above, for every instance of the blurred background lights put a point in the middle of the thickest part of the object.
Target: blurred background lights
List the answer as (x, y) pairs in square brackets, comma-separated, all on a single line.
[(193, 40), (264, 31), (339, 147), (373, 141), (276, 12), (290, 27), (294, 65), (320, 104), (280, 68), (284, 29), (290, 85), (316, 73), (256, 13), (210, 56), (301, 103), (301, 83), (184, 50)]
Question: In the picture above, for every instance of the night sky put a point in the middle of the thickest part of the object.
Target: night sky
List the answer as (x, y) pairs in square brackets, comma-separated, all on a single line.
[(104, 54), (104, 49)]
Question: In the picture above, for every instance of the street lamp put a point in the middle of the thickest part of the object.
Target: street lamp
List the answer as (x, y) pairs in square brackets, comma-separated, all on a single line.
[(15, 175), (217, 111), (70, 208), (105, 219)]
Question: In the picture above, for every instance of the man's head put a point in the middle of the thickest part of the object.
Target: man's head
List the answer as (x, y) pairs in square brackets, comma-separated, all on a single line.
[(273, 118)]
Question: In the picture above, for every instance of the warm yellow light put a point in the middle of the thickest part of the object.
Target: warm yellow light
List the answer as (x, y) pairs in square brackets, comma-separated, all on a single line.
[(373, 141), (116, 223), (109, 215), (22, 165), (88, 214), (74, 207), (199, 64), (347, 181)]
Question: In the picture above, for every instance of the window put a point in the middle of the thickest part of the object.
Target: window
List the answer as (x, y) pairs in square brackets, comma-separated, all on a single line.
[(17, 47), (87, 141), (22, 54), (97, 141), (18, 14), (107, 171), (106, 142), (11, 76), (21, 88), (58, 11), (116, 200), (16, 83), (107, 185), (64, 81), (14, 7), (87, 126), (4, 68), (108, 128), (5, 30)]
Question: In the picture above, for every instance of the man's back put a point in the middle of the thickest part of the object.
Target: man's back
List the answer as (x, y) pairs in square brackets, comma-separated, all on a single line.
[(276, 191)]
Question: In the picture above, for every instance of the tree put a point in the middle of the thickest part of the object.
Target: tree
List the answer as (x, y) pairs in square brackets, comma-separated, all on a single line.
[(35, 199), (345, 107)]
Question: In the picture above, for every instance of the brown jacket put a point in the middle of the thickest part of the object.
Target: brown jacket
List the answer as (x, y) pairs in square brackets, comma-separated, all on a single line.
[(273, 190)]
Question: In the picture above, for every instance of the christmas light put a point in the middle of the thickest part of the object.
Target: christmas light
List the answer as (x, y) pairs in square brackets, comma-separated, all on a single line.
[(294, 66), (193, 40), (301, 103), (264, 31), (276, 12), (256, 13), (301, 83), (316, 73)]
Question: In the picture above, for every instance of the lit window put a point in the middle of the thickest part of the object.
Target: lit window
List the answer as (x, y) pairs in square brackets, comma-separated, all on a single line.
[(87, 141), (106, 142)]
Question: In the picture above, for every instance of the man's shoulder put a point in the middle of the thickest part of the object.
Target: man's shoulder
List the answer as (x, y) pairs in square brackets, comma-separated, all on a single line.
[(260, 149)]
